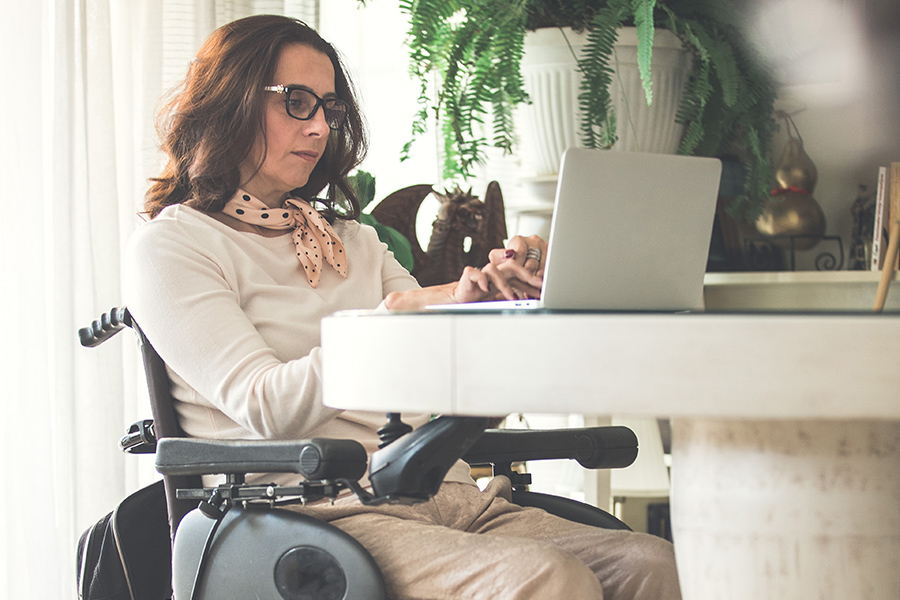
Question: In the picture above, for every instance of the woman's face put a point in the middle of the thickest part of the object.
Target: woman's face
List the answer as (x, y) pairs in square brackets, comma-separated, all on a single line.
[(294, 146)]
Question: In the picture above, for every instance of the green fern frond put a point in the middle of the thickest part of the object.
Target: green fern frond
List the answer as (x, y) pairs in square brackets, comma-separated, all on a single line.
[(722, 58), (477, 61), (758, 177), (598, 125), (509, 48), (691, 112), (451, 100), (428, 24), (643, 21), (697, 90), (693, 135), (726, 106)]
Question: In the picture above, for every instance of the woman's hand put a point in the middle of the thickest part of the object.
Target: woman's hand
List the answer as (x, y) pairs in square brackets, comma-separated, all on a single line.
[(519, 267), (512, 273)]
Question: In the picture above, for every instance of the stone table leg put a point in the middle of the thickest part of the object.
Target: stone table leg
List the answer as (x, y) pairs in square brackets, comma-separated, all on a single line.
[(786, 509)]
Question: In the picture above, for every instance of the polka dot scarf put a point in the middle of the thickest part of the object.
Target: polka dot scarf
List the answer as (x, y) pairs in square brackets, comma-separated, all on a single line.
[(313, 236)]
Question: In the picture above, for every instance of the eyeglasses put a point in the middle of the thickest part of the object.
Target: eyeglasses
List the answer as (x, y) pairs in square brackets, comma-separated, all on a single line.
[(302, 104)]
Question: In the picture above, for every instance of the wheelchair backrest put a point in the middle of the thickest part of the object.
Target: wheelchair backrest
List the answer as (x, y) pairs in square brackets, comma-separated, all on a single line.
[(166, 425)]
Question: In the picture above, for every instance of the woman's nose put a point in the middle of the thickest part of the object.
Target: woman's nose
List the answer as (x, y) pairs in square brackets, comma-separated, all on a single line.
[(317, 124)]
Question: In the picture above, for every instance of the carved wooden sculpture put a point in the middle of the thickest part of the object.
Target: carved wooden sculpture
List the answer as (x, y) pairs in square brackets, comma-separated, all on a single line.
[(460, 217)]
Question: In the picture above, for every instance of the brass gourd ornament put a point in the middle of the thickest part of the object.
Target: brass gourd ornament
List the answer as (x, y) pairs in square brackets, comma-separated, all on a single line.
[(792, 210)]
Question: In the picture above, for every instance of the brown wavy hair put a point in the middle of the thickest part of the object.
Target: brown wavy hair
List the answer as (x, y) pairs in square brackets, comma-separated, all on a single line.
[(211, 121)]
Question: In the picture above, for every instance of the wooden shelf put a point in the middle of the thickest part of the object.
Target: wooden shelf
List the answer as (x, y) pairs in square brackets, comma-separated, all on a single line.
[(797, 290)]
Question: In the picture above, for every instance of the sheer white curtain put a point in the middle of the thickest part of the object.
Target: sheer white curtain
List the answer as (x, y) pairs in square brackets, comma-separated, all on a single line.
[(81, 81)]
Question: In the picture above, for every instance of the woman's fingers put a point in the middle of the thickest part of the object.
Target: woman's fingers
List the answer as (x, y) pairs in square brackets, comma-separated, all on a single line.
[(516, 271), (510, 281), (513, 282), (519, 246), (528, 252), (473, 286), (499, 255), (528, 273), (533, 259), (536, 254), (500, 282)]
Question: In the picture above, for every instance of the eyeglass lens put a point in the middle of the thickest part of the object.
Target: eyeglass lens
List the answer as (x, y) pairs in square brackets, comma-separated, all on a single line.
[(302, 104)]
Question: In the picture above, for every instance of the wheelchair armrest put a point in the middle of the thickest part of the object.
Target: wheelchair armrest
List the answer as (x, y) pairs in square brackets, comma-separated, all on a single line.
[(315, 459), (609, 447)]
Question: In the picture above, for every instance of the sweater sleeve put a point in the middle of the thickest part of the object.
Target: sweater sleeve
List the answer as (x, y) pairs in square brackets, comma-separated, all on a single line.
[(182, 290)]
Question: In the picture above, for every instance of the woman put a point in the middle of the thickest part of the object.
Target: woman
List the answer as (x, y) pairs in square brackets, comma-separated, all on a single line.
[(241, 261)]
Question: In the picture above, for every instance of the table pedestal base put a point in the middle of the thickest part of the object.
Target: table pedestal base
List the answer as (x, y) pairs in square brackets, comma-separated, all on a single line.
[(786, 509)]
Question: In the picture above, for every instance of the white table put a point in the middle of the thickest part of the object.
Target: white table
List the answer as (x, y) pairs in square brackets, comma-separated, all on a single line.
[(786, 427)]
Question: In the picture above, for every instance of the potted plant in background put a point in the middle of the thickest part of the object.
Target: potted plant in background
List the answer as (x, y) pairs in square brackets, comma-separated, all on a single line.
[(474, 49), (363, 184)]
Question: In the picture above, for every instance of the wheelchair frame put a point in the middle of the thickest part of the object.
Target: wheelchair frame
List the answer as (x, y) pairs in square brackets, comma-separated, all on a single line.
[(409, 467)]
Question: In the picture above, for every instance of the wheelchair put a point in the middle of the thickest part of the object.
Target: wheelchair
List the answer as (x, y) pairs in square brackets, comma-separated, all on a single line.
[(235, 540)]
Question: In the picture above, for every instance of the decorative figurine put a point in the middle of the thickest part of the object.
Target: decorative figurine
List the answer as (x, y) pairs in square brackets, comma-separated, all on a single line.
[(792, 213), (464, 231)]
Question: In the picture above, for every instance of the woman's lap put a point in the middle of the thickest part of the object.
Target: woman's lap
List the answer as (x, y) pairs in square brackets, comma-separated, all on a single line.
[(470, 544)]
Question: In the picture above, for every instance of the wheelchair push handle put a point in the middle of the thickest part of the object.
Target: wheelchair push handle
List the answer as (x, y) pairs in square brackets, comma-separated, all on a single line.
[(109, 324)]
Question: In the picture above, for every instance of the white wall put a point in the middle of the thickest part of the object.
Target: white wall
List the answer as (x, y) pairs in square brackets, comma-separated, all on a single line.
[(838, 60), (372, 42)]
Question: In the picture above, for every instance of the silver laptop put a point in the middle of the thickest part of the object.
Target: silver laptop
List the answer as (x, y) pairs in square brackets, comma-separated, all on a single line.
[(630, 231)]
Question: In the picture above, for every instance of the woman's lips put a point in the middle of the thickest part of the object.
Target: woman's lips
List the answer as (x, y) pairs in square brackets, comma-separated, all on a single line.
[(307, 155)]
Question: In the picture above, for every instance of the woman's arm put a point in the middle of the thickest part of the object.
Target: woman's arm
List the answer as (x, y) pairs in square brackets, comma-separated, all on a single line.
[(186, 292)]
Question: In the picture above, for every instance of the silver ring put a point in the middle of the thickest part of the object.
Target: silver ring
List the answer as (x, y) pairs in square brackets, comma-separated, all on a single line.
[(534, 253)]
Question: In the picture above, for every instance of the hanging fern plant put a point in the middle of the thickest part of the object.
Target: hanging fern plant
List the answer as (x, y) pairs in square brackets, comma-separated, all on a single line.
[(475, 49)]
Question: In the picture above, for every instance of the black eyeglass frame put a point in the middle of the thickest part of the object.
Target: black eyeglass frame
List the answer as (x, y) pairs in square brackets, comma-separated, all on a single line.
[(287, 89)]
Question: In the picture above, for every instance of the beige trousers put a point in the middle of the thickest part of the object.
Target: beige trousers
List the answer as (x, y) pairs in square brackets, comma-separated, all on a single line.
[(465, 544)]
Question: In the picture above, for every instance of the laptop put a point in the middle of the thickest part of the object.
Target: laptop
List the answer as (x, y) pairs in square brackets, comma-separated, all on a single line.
[(630, 232)]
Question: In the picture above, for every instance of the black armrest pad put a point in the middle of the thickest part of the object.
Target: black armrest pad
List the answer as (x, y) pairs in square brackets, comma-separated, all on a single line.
[(314, 459), (593, 447)]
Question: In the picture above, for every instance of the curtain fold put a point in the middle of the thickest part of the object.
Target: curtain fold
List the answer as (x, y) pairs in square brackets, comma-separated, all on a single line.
[(82, 79)]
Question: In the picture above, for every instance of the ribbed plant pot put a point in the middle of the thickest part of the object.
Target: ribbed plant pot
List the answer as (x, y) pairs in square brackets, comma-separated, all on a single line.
[(552, 79)]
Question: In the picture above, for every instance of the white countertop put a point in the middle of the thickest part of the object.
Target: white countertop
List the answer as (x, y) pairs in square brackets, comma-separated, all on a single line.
[(828, 366)]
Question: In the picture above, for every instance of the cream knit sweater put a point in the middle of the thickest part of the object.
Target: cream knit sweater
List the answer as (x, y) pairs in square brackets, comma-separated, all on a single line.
[(234, 318)]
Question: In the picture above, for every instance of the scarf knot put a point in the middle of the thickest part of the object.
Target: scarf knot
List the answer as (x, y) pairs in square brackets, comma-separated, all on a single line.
[(314, 238)]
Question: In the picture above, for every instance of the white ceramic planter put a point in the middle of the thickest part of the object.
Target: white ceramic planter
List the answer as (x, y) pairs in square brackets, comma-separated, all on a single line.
[(552, 80)]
